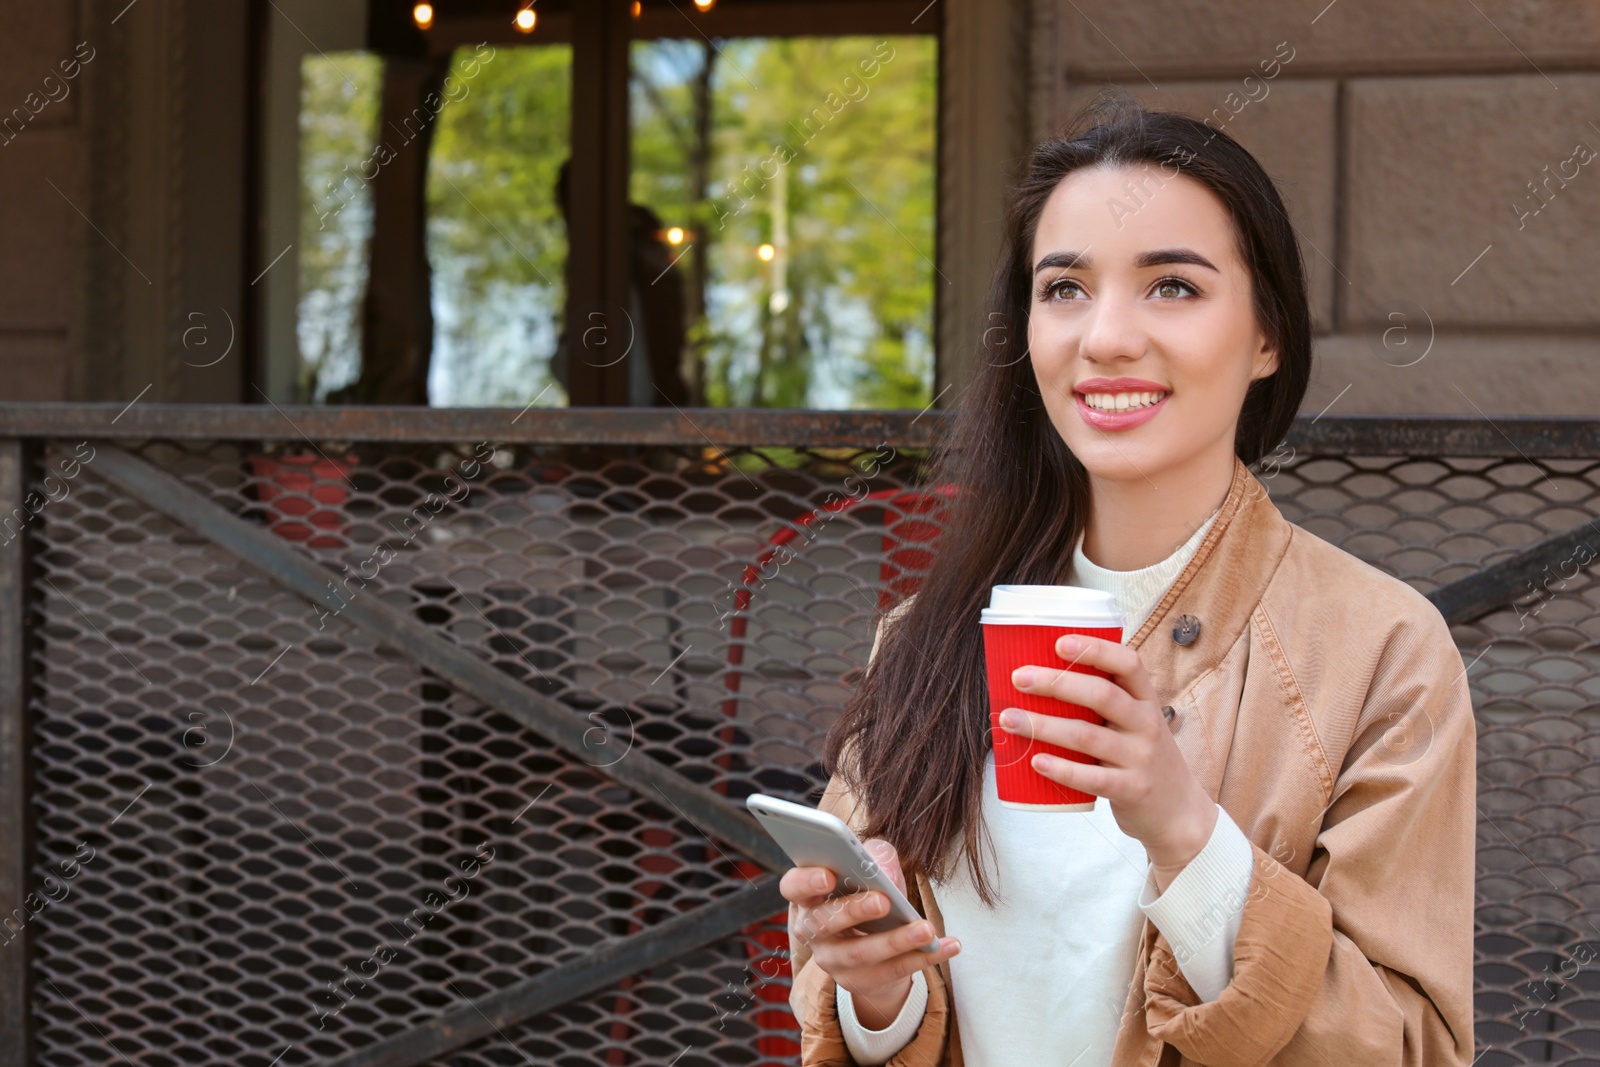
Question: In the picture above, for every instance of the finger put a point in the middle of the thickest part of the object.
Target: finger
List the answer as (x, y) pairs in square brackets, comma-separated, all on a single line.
[(1115, 658), (888, 860), (1079, 735), (881, 958), (909, 963), (833, 918), (806, 886), (1100, 695), (1108, 782), (904, 965)]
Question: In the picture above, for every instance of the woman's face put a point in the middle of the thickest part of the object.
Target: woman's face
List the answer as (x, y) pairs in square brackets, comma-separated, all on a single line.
[(1139, 294)]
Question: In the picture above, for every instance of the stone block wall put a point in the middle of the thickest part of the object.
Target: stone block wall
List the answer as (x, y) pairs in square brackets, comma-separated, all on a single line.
[(1441, 163)]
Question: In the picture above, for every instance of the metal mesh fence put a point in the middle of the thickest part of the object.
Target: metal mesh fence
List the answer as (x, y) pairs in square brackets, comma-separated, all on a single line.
[(276, 841), (1534, 669)]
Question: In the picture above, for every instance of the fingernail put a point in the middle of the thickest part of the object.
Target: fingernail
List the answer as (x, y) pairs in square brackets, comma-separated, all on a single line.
[(819, 882), (1022, 676), (957, 945), (923, 931), (1010, 719)]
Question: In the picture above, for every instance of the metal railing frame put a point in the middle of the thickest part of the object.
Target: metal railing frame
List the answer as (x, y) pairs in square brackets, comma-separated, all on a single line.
[(110, 427)]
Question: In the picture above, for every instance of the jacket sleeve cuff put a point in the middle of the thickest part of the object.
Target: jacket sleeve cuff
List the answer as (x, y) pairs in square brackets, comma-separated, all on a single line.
[(872, 1047), (822, 1041), (1202, 907), (1280, 958)]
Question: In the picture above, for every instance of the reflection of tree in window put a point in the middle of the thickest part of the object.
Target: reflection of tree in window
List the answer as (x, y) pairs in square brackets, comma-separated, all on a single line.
[(338, 116), (495, 239), (823, 149), (495, 235)]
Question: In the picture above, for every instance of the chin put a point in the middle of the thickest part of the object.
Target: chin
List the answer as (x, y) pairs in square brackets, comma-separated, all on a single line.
[(1121, 463)]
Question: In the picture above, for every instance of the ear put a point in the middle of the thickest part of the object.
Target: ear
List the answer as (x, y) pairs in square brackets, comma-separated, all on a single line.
[(1266, 361)]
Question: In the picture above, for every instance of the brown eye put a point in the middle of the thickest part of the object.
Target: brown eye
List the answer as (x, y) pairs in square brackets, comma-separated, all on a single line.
[(1172, 288)]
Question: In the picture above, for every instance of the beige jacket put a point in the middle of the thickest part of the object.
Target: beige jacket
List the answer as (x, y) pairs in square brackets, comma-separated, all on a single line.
[(1325, 706)]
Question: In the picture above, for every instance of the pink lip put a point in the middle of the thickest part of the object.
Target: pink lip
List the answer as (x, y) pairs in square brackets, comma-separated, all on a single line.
[(1124, 420), (1120, 385)]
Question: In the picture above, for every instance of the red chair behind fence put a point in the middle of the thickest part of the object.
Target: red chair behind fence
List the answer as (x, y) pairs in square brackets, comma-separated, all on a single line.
[(913, 520)]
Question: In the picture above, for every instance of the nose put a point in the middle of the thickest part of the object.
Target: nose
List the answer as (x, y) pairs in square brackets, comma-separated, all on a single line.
[(1111, 331)]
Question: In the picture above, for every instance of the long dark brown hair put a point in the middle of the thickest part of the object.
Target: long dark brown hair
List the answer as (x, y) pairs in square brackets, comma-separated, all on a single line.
[(916, 729)]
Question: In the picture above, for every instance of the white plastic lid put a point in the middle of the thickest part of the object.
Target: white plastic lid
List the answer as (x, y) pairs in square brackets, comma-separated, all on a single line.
[(1057, 605)]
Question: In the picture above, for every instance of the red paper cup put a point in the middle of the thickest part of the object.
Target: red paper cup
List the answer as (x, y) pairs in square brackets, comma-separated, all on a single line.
[(1021, 626)]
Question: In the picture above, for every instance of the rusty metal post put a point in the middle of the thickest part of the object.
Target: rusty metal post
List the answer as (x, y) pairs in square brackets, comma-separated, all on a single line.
[(15, 838)]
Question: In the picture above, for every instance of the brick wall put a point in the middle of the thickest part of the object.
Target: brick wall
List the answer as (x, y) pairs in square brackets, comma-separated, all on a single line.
[(1404, 136)]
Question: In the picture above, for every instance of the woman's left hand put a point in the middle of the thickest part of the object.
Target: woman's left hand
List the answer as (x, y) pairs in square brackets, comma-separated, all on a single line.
[(1154, 796)]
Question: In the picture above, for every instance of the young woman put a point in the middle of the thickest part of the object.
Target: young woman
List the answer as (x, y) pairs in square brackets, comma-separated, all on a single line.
[(1279, 869)]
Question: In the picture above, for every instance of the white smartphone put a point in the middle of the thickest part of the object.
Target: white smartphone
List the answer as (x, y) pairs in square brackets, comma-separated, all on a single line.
[(814, 838)]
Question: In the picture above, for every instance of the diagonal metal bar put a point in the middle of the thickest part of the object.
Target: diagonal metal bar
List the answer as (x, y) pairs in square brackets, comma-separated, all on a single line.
[(566, 982), (1499, 584), (457, 666)]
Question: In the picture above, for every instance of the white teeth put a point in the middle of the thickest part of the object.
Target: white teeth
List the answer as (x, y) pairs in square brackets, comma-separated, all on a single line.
[(1121, 401)]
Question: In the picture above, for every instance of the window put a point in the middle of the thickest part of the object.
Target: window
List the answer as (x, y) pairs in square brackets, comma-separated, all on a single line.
[(778, 223), (798, 175)]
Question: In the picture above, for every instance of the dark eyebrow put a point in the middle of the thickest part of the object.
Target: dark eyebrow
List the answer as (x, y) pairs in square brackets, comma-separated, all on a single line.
[(1173, 255), (1071, 260), (1068, 260)]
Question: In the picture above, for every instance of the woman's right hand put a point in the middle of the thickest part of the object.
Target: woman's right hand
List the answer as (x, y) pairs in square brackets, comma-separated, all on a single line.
[(875, 969)]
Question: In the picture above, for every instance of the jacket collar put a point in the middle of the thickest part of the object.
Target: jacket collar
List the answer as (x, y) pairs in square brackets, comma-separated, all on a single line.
[(1220, 587), (1225, 577)]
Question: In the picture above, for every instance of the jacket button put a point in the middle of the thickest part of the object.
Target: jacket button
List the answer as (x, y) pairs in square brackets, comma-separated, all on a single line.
[(1186, 629), (1169, 713)]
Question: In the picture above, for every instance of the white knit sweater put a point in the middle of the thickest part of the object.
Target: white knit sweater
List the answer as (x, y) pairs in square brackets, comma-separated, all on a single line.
[(1043, 978)]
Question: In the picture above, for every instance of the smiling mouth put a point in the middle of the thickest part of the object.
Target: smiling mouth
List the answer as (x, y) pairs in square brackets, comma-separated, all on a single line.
[(1113, 403)]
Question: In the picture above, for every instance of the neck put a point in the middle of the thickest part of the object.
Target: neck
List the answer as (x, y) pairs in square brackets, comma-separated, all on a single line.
[(1139, 522)]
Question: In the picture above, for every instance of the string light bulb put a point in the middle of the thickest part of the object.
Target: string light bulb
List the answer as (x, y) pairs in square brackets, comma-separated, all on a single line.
[(705, 5), (765, 253), (526, 20), (637, 8), (422, 15)]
